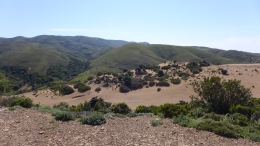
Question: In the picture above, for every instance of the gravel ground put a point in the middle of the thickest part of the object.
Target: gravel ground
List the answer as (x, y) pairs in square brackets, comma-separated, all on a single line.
[(29, 128)]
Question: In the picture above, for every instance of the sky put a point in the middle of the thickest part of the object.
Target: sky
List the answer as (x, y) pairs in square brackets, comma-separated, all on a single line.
[(223, 24)]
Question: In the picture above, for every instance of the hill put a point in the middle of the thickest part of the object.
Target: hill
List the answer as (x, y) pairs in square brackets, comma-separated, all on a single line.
[(132, 55), (239, 56), (41, 52)]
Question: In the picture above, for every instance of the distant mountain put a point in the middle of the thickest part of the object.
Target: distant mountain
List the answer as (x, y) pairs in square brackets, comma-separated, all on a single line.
[(41, 52), (239, 56), (131, 55)]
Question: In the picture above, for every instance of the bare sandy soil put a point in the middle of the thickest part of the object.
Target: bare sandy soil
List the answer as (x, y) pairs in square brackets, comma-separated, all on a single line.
[(33, 128), (247, 73)]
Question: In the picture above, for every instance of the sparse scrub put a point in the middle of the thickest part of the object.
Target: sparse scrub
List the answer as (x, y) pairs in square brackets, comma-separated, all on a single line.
[(64, 116), (98, 89), (156, 122), (94, 119), (175, 80), (121, 108), (21, 101)]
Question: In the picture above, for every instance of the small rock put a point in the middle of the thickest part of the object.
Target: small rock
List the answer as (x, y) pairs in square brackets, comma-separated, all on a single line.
[(5, 130), (41, 132)]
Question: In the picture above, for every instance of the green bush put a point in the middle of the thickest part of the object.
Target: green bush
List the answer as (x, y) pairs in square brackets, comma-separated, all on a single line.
[(160, 73), (195, 71), (132, 114), (176, 81), (63, 106), (220, 95), (197, 112), (21, 101), (142, 109), (98, 89), (66, 90), (181, 120), (64, 116), (94, 119), (170, 110), (121, 108), (156, 122), (123, 89), (6, 100), (218, 127), (239, 119), (83, 88), (78, 84), (163, 83), (224, 72), (245, 110), (90, 77), (151, 83), (213, 116)]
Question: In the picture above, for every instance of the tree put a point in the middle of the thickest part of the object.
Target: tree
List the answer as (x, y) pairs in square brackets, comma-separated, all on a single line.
[(160, 73), (5, 85), (107, 80), (127, 80), (219, 95)]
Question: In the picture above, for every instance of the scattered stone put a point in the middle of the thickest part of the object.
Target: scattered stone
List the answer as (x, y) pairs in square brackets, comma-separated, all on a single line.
[(41, 132)]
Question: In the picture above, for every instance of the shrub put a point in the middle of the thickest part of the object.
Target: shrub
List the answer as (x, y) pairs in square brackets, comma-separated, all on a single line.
[(131, 114), (63, 106), (123, 89), (121, 108), (197, 112), (224, 72), (195, 71), (22, 101), (213, 116), (66, 90), (5, 101), (158, 89), (160, 73), (64, 116), (176, 81), (90, 77), (94, 119), (170, 110), (239, 119), (98, 89), (245, 110), (165, 67), (156, 122), (151, 83), (163, 83), (84, 88), (181, 120), (99, 73), (217, 127), (78, 84), (142, 109), (220, 96)]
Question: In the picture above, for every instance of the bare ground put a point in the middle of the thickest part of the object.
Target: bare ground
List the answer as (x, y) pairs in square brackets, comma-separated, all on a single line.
[(28, 128), (149, 96)]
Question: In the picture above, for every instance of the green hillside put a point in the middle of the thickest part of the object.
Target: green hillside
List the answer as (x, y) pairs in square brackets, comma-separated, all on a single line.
[(128, 56), (239, 56), (41, 52), (132, 55)]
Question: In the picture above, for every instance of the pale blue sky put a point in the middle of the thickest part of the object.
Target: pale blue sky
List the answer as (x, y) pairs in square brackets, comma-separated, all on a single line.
[(223, 24)]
